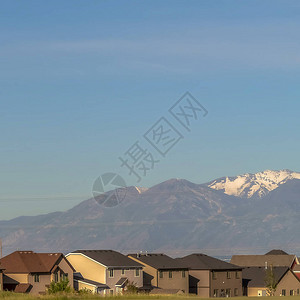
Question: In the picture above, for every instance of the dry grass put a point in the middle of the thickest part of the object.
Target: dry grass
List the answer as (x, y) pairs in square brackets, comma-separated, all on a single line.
[(14, 296)]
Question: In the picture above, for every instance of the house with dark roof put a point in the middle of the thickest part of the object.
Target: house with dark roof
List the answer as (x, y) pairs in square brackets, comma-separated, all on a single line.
[(30, 272), (255, 281), (104, 272), (212, 277), (162, 274), (275, 258)]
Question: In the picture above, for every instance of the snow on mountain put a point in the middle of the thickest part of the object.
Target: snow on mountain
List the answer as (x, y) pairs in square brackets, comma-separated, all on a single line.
[(253, 185)]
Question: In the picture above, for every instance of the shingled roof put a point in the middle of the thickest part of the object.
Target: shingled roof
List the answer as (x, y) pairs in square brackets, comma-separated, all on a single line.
[(108, 258), (30, 262), (198, 261), (263, 260), (158, 261), (276, 252), (255, 276)]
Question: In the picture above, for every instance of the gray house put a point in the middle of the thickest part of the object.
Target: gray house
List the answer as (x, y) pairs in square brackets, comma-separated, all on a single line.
[(105, 272), (163, 274), (211, 277)]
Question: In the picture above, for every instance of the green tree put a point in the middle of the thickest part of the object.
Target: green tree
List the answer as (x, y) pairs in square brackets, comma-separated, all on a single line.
[(60, 287), (271, 282)]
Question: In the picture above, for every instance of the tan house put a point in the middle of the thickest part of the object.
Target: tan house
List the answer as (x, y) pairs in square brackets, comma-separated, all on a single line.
[(104, 271), (254, 281), (275, 258), (30, 272), (211, 277), (163, 274)]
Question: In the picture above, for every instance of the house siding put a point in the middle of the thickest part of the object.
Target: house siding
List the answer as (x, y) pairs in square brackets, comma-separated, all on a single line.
[(290, 283), (176, 282), (89, 269), (129, 274), (203, 284)]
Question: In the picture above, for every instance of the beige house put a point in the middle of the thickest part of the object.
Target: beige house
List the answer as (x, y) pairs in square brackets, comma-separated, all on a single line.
[(104, 271), (30, 272), (211, 277), (163, 274), (254, 281), (275, 258)]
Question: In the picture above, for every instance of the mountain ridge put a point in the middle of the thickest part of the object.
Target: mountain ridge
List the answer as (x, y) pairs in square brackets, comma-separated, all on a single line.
[(173, 215)]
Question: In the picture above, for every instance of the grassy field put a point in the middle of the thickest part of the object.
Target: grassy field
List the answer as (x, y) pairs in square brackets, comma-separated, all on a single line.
[(14, 296)]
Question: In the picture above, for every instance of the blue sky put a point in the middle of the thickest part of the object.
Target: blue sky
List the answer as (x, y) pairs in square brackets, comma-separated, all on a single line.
[(81, 81)]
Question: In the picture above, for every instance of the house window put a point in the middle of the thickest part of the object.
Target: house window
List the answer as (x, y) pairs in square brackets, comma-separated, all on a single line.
[(228, 275), (236, 292), (228, 292), (111, 273), (56, 277), (170, 274), (36, 278), (291, 292), (237, 275), (183, 274), (216, 293), (283, 292), (214, 275), (298, 291), (111, 292), (123, 271), (137, 272), (161, 274), (222, 294), (64, 276)]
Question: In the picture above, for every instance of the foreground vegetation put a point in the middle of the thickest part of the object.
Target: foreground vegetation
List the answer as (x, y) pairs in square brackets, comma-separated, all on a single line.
[(76, 296)]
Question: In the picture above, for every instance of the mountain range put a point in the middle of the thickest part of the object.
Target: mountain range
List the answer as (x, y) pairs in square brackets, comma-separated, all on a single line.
[(249, 213)]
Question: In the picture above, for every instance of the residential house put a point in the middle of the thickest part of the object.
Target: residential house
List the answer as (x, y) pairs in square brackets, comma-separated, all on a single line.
[(275, 258), (212, 277), (30, 272), (104, 271), (162, 274), (255, 281)]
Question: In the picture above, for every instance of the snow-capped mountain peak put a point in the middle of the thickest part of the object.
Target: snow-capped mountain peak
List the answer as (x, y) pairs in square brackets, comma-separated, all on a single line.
[(253, 185)]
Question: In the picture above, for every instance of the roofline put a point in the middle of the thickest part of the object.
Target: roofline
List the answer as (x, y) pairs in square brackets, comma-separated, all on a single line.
[(88, 283), (106, 266), (61, 258), (78, 253), (148, 265)]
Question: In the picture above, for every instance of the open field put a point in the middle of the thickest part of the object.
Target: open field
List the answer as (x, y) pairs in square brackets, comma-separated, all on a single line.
[(14, 296)]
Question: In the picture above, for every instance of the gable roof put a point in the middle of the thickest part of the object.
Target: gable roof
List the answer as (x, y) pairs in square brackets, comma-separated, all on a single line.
[(296, 268), (263, 260), (109, 258), (255, 276), (159, 261), (30, 262), (198, 261), (276, 252)]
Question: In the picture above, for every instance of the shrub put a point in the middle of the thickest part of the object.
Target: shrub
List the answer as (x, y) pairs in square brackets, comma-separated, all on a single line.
[(59, 287)]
